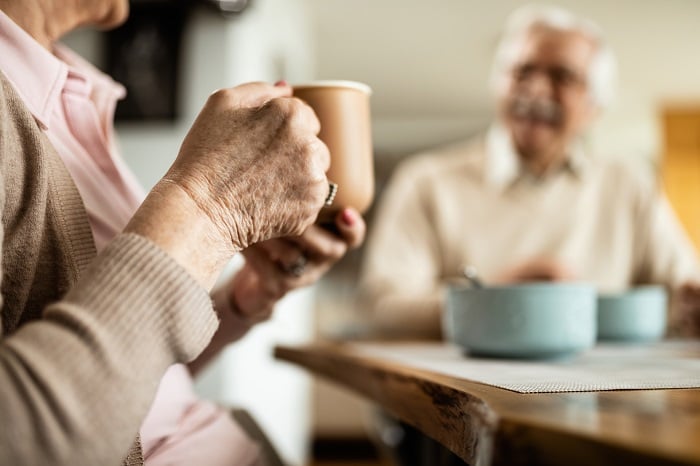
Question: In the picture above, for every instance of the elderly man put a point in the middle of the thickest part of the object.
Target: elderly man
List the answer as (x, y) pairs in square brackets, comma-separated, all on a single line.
[(525, 201), (105, 290)]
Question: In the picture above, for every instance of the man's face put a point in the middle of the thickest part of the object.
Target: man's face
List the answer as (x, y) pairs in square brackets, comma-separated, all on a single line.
[(545, 102)]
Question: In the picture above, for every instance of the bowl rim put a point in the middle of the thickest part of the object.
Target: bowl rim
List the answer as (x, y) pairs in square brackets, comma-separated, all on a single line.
[(634, 291), (523, 287)]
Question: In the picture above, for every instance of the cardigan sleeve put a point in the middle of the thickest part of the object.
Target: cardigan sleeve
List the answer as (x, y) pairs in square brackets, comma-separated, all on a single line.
[(399, 291), (77, 382)]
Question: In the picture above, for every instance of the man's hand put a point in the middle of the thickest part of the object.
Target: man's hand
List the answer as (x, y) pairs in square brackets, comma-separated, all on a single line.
[(536, 270), (689, 309)]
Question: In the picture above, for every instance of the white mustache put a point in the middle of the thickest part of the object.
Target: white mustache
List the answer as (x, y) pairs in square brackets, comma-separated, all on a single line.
[(545, 110)]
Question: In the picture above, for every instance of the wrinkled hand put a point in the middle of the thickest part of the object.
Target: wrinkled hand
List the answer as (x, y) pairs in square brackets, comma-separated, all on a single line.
[(253, 164), (251, 168), (547, 270), (689, 309), (267, 274)]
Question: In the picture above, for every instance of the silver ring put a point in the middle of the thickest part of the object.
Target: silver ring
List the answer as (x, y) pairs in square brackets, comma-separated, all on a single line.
[(297, 267), (332, 191)]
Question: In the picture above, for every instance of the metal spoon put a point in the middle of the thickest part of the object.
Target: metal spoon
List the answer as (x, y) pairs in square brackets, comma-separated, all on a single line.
[(470, 273)]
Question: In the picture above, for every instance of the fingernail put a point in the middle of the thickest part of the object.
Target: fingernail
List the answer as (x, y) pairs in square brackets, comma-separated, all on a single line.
[(348, 217), (281, 82)]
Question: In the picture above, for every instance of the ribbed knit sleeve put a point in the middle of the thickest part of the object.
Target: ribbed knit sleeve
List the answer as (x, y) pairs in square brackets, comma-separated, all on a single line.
[(93, 363)]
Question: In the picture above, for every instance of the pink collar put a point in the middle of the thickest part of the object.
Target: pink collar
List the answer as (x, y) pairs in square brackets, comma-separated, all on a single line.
[(40, 76)]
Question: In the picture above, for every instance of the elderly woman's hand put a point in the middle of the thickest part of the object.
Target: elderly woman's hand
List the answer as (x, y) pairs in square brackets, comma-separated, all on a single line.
[(271, 270), (250, 169), (253, 164), (275, 267)]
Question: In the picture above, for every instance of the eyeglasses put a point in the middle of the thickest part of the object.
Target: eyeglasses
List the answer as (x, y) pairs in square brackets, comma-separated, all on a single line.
[(558, 76)]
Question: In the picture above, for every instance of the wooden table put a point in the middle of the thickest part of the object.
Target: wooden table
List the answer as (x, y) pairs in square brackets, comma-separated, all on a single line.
[(485, 425)]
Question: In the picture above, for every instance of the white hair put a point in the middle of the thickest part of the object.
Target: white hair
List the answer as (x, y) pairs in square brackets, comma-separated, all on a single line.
[(602, 72)]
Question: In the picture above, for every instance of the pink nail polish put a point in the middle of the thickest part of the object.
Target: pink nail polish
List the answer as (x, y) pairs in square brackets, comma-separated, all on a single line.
[(348, 217), (281, 82)]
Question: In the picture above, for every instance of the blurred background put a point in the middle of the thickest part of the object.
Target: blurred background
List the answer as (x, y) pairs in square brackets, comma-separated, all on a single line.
[(428, 66)]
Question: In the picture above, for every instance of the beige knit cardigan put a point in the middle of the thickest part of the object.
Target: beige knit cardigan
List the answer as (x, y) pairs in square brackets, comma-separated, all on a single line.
[(85, 338)]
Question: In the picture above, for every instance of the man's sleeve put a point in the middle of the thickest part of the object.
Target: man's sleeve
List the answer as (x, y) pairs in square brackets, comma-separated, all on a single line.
[(399, 288)]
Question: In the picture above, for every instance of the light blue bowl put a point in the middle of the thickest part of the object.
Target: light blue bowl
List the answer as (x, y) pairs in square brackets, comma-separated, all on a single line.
[(530, 321), (636, 315)]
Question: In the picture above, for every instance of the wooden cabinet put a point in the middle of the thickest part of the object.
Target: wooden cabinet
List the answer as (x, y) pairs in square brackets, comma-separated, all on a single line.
[(681, 165)]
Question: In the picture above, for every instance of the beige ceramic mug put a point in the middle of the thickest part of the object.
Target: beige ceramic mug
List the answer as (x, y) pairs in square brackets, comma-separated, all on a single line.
[(343, 109)]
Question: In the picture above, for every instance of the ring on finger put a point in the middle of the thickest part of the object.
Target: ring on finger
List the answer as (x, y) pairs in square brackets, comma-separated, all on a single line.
[(297, 267), (332, 191)]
